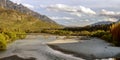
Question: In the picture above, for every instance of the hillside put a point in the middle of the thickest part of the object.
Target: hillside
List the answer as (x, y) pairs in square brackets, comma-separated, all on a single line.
[(7, 4), (11, 19), (17, 20)]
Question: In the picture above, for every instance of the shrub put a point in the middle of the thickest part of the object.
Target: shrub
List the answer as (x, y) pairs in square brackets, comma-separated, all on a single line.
[(98, 33), (12, 35), (63, 32), (85, 33), (7, 37), (58, 32), (21, 35), (107, 37), (3, 43)]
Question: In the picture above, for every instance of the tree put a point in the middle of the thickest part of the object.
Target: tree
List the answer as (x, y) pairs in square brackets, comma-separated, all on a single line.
[(115, 30)]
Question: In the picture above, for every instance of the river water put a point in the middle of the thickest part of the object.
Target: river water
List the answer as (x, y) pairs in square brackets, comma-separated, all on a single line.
[(35, 46)]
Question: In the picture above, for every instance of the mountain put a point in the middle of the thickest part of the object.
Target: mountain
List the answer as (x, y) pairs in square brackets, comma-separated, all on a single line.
[(14, 20), (102, 23), (18, 17), (7, 4)]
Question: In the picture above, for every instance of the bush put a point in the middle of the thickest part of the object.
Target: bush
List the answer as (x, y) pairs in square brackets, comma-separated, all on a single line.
[(21, 35), (3, 43), (58, 32), (98, 33), (7, 37), (85, 33), (107, 37), (12, 35)]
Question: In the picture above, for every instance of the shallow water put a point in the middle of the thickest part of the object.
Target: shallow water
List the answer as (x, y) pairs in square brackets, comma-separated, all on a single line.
[(35, 46), (89, 49)]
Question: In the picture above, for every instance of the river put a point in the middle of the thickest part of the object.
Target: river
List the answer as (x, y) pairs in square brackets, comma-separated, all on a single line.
[(35, 46)]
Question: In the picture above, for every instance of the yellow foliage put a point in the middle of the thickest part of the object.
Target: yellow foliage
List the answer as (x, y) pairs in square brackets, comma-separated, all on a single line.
[(115, 30)]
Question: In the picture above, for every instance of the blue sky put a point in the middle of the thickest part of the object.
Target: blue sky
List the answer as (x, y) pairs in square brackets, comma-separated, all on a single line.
[(75, 12)]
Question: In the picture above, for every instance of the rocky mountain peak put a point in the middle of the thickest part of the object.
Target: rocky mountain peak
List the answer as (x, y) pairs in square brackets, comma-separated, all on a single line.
[(7, 4)]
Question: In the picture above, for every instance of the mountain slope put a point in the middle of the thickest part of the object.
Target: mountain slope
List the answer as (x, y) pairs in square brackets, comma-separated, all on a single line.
[(11, 19), (7, 4)]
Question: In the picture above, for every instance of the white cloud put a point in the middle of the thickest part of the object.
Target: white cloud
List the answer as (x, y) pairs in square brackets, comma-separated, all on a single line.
[(105, 12), (61, 18), (73, 10), (16, 1), (111, 14), (29, 6), (108, 19), (111, 19), (87, 20), (61, 7), (76, 14), (42, 6), (85, 10)]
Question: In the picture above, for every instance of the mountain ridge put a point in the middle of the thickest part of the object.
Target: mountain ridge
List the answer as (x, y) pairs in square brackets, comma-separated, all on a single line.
[(14, 20), (7, 4), (101, 23)]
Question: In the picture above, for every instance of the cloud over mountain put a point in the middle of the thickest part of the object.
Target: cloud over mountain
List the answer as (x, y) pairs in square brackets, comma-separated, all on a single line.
[(76, 12), (17, 1), (29, 6), (73, 10), (110, 14), (62, 18)]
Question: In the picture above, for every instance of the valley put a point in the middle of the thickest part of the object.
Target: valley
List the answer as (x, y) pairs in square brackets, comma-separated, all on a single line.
[(65, 32)]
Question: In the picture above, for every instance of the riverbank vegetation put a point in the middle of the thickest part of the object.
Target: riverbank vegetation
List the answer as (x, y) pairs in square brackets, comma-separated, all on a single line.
[(9, 36), (108, 32)]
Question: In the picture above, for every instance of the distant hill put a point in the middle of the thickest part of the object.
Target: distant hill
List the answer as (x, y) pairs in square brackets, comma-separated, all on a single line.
[(7, 4), (102, 23)]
